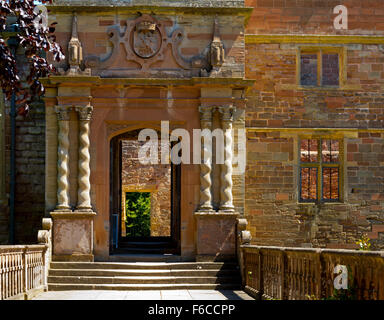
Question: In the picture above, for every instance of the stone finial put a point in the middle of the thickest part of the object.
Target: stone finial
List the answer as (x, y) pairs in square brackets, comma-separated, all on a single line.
[(43, 236), (75, 52), (217, 53), (47, 224)]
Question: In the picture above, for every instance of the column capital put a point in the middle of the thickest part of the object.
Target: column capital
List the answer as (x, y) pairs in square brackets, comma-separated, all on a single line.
[(227, 112), (206, 113), (85, 112), (62, 112)]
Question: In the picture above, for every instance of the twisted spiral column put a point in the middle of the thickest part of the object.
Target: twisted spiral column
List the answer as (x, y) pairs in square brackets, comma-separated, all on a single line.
[(62, 159), (206, 161), (84, 188), (226, 197)]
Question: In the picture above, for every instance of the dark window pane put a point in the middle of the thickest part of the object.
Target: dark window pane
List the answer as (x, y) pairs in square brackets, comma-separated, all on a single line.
[(308, 76), (308, 183), (309, 150), (330, 72), (330, 183), (330, 151)]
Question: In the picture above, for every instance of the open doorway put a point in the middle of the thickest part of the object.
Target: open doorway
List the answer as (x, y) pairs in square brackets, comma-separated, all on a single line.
[(144, 201)]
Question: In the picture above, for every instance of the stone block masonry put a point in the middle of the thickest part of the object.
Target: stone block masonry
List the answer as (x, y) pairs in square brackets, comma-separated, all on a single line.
[(272, 206), (30, 172), (156, 179), (285, 58)]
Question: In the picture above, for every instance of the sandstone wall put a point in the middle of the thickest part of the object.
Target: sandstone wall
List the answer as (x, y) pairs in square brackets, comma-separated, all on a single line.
[(30, 173), (279, 111), (155, 179), (197, 35), (314, 17)]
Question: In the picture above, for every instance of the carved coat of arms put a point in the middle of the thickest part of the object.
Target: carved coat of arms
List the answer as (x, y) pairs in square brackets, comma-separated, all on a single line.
[(146, 39)]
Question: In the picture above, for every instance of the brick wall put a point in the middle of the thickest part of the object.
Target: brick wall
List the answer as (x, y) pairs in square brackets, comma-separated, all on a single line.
[(314, 16)]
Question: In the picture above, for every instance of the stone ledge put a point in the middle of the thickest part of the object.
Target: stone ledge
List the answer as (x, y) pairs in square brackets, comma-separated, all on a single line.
[(165, 3), (216, 258), (30, 294), (72, 214), (218, 214), (194, 81)]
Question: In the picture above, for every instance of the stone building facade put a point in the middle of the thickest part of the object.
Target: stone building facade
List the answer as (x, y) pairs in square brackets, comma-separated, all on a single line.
[(309, 97), (281, 112)]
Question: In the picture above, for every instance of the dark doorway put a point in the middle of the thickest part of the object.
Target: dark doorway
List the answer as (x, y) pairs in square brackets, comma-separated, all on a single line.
[(145, 201)]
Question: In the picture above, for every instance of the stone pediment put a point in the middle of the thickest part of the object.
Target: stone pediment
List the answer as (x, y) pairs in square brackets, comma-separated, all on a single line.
[(145, 48)]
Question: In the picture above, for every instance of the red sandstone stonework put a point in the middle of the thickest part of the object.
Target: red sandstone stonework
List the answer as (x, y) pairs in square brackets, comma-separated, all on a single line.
[(153, 178), (276, 111)]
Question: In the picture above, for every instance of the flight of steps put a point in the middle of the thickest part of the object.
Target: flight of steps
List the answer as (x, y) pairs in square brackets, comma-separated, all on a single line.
[(143, 276)]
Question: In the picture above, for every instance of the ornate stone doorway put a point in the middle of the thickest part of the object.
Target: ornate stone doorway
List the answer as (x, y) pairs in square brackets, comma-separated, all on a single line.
[(145, 201)]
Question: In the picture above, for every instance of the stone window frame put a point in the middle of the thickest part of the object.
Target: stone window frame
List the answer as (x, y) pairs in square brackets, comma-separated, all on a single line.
[(152, 189), (319, 165), (319, 50)]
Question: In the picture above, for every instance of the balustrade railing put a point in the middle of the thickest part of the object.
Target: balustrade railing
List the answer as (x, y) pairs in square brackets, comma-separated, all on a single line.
[(24, 268), (301, 273)]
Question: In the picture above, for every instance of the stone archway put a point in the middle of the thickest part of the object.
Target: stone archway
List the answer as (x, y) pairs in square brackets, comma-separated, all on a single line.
[(161, 181)]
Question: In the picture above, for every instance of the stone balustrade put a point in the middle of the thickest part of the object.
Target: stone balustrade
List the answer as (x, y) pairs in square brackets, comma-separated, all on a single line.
[(24, 268), (301, 273)]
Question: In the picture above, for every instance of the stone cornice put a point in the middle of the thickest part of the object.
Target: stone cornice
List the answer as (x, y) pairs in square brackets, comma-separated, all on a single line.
[(282, 129), (72, 214), (216, 214), (97, 81), (168, 10), (313, 39)]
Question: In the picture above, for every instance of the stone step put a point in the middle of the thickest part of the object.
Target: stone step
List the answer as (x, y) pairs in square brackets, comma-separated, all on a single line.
[(141, 272), (146, 265), (123, 256), (141, 280), (144, 250), (177, 286), (145, 244)]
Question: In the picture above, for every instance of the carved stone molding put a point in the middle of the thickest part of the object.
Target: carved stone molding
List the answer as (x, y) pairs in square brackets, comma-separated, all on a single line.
[(85, 113), (227, 113), (62, 112), (145, 42)]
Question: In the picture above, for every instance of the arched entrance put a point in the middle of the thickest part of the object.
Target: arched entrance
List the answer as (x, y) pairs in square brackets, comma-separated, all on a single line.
[(144, 200)]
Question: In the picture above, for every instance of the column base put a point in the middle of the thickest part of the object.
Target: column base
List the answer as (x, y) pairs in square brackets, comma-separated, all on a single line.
[(72, 236), (216, 235)]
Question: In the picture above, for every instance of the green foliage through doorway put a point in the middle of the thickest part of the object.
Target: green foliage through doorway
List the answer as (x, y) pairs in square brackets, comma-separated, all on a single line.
[(138, 210)]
